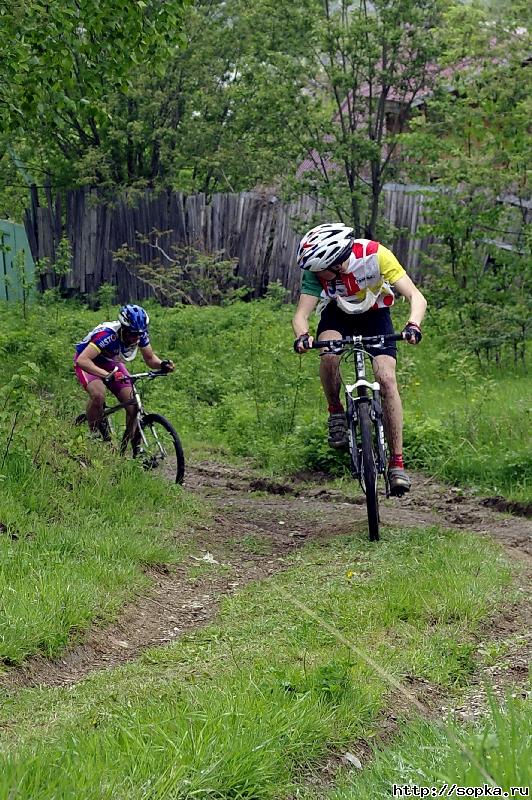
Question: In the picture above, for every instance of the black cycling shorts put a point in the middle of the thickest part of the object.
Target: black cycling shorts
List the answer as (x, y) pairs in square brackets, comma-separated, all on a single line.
[(371, 323)]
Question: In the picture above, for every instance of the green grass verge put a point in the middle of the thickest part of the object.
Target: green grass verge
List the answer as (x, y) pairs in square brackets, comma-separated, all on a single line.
[(78, 527), (495, 752), (240, 388), (236, 709)]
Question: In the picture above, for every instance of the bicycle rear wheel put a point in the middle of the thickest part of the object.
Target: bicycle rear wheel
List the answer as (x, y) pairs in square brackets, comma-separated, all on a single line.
[(161, 447), (369, 469)]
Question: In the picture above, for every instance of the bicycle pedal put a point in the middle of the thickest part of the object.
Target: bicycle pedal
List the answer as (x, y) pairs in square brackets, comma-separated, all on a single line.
[(152, 462), (399, 491)]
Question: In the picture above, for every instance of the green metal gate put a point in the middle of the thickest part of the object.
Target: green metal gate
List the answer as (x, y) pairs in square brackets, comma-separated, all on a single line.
[(13, 240)]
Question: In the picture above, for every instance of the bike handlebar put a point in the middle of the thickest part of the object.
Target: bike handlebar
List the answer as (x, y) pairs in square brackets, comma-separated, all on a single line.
[(153, 373), (337, 344)]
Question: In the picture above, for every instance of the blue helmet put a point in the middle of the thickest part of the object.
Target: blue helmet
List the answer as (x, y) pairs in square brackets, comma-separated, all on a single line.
[(134, 318)]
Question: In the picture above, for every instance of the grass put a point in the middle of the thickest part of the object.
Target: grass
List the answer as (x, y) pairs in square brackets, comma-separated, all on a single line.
[(238, 709), (468, 425), (495, 751), (75, 544), (78, 525), (240, 391), (249, 395)]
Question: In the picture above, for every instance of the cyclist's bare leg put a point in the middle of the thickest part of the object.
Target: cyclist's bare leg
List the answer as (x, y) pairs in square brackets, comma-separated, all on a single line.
[(330, 371), (95, 404), (392, 408), (331, 382), (131, 434)]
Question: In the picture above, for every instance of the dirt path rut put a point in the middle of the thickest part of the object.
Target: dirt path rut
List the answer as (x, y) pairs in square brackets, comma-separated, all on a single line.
[(257, 523)]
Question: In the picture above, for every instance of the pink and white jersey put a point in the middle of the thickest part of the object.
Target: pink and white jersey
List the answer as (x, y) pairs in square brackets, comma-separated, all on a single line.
[(106, 337)]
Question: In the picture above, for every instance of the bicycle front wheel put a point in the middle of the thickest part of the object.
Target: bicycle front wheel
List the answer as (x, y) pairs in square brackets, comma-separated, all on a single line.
[(369, 470), (161, 447)]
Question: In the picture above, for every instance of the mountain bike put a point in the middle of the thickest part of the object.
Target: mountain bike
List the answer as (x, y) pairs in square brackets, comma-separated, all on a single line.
[(155, 441), (368, 455)]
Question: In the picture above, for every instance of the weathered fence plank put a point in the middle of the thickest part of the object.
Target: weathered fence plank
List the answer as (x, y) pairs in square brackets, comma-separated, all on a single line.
[(257, 230)]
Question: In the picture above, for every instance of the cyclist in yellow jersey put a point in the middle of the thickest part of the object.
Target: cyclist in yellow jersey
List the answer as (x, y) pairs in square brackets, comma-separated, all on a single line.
[(350, 283)]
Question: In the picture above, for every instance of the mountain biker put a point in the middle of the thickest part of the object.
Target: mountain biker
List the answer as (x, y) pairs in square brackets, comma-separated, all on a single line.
[(351, 279), (99, 363)]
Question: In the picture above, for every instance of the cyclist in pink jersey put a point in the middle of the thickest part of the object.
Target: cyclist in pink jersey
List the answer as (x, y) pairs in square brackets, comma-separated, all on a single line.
[(99, 362)]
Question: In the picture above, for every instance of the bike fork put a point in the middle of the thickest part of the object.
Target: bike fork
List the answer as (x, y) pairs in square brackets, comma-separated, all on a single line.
[(380, 440), (352, 422), (377, 416)]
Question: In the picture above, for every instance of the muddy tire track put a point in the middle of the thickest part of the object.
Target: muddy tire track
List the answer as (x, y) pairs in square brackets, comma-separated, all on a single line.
[(257, 524)]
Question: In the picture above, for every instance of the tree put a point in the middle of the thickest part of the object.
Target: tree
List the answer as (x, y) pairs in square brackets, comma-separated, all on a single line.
[(207, 114), (473, 145), (374, 63), (218, 115), (63, 64)]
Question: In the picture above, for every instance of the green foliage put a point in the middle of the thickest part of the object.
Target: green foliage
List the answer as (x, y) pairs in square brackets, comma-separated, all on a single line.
[(64, 66), (368, 59), (472, 145), (77, 522), (276, 294), (150, 100), (465, 422), (52, 274), (82, 524), (240, 386), (184, 274), (222, 110), (20, 411), (25, 279), (427, 440), (106, 296), (316, 454)]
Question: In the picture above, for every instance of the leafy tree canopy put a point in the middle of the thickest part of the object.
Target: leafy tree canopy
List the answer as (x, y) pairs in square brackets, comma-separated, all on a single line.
[(230, 95), (63, 64)]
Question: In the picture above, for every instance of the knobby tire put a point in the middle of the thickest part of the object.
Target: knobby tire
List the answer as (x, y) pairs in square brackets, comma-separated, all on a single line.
[(151, 421), (369, 469)]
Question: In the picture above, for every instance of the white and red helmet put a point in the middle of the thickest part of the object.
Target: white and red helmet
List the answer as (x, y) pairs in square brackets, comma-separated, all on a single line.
[(325, 246)]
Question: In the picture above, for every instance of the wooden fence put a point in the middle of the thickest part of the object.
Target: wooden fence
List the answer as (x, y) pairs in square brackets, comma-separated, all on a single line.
[(259, 231)]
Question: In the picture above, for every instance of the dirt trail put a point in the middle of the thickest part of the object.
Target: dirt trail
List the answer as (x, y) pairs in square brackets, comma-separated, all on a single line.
[(257, 523)]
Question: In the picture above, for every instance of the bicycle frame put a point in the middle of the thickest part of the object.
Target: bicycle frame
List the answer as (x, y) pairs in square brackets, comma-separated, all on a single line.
[(362, 391), (365, 426), (153, 438), (137, 401)]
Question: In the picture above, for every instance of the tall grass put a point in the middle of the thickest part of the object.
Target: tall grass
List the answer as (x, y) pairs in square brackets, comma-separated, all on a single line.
[(240, 387), (238, 709), (74, 541), (495, 751), (77, 523)]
